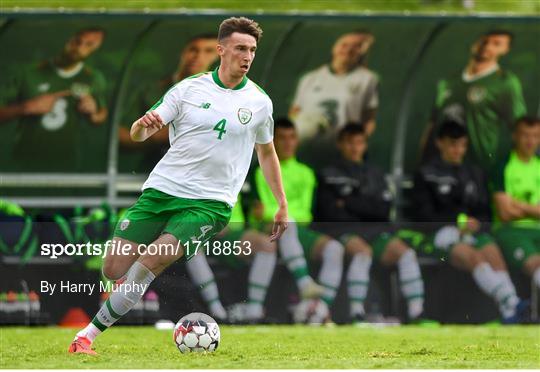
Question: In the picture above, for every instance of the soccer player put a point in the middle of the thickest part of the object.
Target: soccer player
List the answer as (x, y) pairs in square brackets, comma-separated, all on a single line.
[(484, 97), (451, 199), (55, 102), (355, 197), (215, 120), (197, 56), (299, 242), (517, 200), (342, 91)]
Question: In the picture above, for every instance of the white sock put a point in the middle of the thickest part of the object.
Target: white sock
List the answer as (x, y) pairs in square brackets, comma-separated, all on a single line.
[(201, 274), (493, 285), (509, 296), (217, 310), (260, 275), (138, 279), (293, 254), (536, 276), (331, 270), (90, 332), (358, 282), (412, 285), (254, 311)]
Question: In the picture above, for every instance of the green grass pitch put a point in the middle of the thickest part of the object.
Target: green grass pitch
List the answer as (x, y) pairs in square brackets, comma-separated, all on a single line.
[(283, 347)]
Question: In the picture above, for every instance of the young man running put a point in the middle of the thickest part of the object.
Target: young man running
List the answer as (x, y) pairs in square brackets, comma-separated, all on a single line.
[(215, 120)]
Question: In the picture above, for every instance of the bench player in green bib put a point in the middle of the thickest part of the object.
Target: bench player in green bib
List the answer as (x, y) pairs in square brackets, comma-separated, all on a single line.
[(215, 121), (301, 244), (517, 200)]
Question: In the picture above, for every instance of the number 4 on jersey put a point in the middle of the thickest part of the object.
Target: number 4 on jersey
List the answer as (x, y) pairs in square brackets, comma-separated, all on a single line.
[(220, 127)]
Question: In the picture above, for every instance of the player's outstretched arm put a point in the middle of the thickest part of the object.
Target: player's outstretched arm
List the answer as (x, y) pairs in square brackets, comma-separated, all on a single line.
[(269, 163), (146, 126)]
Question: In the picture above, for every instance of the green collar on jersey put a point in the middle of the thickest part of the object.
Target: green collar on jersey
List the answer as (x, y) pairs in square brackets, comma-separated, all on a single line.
[(215, 76)]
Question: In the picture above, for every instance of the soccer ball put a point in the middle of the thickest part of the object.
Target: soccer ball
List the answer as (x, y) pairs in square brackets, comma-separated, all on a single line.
[(196, 332), (314, 311)]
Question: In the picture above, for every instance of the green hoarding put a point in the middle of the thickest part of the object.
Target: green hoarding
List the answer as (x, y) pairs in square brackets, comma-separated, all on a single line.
[(140, 52)]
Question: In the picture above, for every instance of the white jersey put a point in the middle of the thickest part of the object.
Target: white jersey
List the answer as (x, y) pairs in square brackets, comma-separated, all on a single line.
[(328, 101), (212, 132)]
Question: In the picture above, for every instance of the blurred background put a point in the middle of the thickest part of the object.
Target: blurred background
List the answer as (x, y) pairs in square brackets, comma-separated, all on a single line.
[(68, 169)]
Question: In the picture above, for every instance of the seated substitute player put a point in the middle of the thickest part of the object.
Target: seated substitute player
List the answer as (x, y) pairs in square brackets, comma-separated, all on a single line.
[(298, 241), (353, 204), (255, 250), (451, 199), (517, 200), (215, 120)]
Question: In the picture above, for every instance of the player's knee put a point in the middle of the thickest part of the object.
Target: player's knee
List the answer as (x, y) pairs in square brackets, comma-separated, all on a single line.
[(398, 248), (112, 270), (474, 258), (358, 245), (532, 264), (269, 247), (259, 242)]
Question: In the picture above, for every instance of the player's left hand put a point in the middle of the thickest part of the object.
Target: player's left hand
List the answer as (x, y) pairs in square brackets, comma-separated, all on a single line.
[(87, 105), (280, 224)]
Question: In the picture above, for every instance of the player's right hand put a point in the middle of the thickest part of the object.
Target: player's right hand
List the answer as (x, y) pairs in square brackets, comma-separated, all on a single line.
[(44, 103), (280, 224), (151, 120)]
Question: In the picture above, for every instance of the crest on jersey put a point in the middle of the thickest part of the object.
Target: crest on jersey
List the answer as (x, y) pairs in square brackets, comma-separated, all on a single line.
[(354, 88), (476, 94), (44, 87), (244, 115), (124, 224)]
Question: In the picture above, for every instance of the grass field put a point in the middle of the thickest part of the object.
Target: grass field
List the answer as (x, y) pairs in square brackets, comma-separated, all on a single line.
[(284, 347)]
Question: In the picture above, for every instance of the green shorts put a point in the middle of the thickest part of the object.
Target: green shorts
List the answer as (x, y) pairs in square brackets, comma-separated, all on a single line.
[(378, 244), (188, 220), (424, 243), (518, 244), (308, 239)]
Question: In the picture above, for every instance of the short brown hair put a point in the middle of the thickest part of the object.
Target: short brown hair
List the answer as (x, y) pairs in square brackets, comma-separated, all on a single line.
[(499, 32), (241, 25), (351, 129), (90, 30), (528, 121)]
